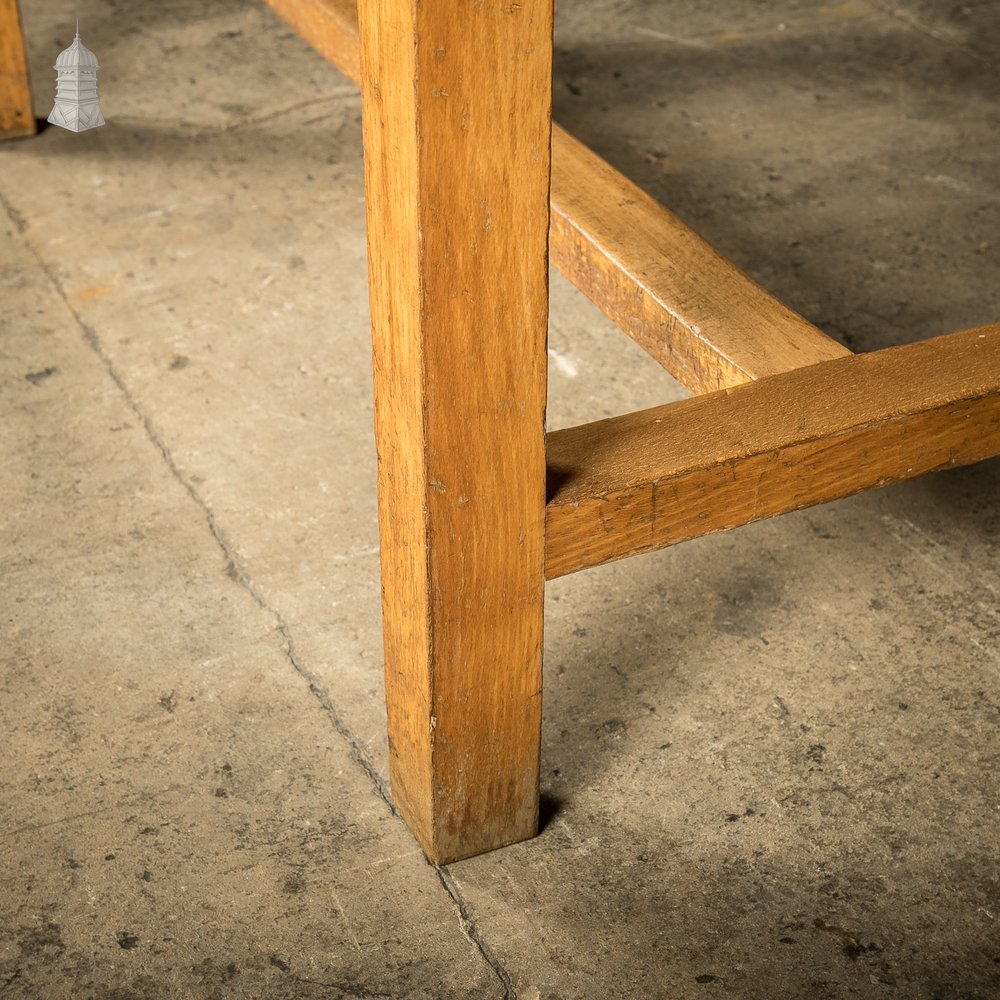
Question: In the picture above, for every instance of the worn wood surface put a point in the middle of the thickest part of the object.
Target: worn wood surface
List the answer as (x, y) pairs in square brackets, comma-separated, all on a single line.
[(16, 116), (699, 315), (456, 116), (663, 475)]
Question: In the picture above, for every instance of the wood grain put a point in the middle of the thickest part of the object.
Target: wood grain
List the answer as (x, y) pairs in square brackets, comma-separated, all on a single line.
[(16, 116), (709, 324), (456, 117), (674, 472), (699, 315)]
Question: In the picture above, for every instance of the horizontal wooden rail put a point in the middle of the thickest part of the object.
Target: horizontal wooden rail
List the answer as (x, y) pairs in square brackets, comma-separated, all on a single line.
[(674, 472), (709, 324), (330, 27), (700, 316)]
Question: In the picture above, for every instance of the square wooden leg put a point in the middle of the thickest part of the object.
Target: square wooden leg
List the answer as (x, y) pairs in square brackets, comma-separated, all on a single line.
[(456, 100), (16, 117)]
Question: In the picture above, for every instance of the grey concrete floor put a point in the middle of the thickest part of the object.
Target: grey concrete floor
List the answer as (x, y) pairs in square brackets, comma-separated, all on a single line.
[(770, 756)]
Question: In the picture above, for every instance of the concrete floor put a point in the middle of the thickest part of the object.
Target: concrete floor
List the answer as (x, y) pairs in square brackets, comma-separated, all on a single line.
[(770, 756)]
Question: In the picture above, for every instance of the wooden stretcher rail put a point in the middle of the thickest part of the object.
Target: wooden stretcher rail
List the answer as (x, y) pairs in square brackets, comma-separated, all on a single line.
[(696, 313), (671, 473), (330, 27), (709, 324)]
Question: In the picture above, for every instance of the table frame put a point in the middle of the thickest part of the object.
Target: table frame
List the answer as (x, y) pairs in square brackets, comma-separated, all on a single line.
[(469, 189)]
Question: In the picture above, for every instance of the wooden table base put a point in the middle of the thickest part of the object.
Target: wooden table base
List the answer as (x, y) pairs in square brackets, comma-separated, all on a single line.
[(476, 507)]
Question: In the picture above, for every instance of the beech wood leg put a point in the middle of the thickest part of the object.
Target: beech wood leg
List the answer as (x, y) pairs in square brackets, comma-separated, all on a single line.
[(16, 118), (456, 108)]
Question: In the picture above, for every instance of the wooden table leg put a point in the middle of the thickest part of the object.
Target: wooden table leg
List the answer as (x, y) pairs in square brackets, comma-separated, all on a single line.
[(456, 100), (16, 117)]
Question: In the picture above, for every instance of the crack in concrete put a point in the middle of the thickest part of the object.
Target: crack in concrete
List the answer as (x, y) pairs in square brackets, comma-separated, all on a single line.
[(238, 574), (20, 223), (357, 754), (234, 570), (472, 932)]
